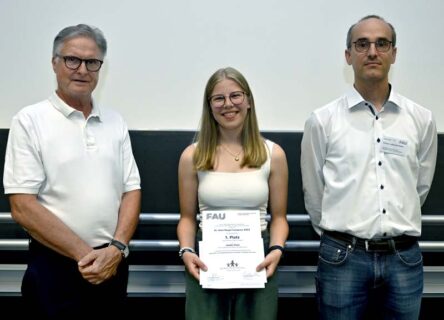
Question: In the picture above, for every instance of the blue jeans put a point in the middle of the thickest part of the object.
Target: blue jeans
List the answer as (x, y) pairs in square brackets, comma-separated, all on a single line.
[(348, 276)]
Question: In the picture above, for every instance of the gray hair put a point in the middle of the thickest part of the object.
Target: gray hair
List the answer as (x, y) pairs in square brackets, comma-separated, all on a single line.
[(80, 30), (372, 16)]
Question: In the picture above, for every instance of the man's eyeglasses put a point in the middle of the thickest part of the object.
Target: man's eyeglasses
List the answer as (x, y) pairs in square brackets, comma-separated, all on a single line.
[(381, 45), (73, 63), (218, 100)]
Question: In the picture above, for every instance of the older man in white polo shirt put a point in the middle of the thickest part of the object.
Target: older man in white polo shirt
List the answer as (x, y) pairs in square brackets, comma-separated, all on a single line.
[(74, 186)]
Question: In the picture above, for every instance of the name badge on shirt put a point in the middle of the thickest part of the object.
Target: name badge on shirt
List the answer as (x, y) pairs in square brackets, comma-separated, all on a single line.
[(394, 146)]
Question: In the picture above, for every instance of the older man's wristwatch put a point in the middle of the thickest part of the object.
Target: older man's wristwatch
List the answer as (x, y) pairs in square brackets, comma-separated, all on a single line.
[(121, 246)]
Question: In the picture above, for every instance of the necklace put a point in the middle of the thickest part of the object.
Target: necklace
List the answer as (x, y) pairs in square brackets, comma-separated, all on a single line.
[(236, 156)]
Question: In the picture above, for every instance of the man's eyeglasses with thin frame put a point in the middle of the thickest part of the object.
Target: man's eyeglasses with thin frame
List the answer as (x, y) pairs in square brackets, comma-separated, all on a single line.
[(73, 63), (381, 45), (218, 100)]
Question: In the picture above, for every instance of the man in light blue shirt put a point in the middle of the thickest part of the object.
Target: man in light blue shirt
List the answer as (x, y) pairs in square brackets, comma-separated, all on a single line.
[(367, 161)]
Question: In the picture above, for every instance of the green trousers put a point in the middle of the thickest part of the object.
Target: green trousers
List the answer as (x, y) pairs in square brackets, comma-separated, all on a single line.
[(231, 304)]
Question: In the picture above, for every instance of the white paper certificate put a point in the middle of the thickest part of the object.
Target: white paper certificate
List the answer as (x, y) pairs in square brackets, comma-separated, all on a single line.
[(226, 225), (232, 247)]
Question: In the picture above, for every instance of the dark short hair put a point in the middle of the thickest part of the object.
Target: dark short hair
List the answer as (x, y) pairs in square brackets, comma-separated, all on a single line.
[(80, 30), (371, 16)]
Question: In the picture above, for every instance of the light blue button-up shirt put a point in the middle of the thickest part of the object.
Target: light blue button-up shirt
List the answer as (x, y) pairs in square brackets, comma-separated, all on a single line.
[(367, 173)]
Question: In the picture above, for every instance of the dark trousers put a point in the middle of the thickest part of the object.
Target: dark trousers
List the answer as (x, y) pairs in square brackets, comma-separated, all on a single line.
[(53, 288)]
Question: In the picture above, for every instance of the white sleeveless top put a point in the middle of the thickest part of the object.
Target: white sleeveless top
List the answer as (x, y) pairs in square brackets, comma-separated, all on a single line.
[(248, 190)]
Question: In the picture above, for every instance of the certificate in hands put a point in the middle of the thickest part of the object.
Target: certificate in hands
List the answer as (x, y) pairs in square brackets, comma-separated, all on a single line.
[(231, 248)]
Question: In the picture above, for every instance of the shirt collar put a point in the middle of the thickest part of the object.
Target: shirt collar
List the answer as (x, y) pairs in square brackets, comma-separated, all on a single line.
[(354, 98), (67, 110)]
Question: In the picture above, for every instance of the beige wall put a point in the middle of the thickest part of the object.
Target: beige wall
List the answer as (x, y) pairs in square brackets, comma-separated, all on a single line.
[(162, 52)]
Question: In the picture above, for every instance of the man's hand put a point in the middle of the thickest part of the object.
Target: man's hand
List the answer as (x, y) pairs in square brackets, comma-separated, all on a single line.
[(100, 265)]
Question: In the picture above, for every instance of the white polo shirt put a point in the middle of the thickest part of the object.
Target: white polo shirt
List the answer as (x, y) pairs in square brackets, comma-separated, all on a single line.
[(78, 167)]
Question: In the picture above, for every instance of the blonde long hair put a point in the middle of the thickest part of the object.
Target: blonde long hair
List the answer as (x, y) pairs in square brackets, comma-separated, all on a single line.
[(207, 137)]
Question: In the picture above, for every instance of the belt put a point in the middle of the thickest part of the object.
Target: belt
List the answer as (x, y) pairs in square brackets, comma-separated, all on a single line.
[(374, 245)]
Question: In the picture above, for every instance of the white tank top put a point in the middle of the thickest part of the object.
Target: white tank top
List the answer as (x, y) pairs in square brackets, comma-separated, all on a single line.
[(248, 190)]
